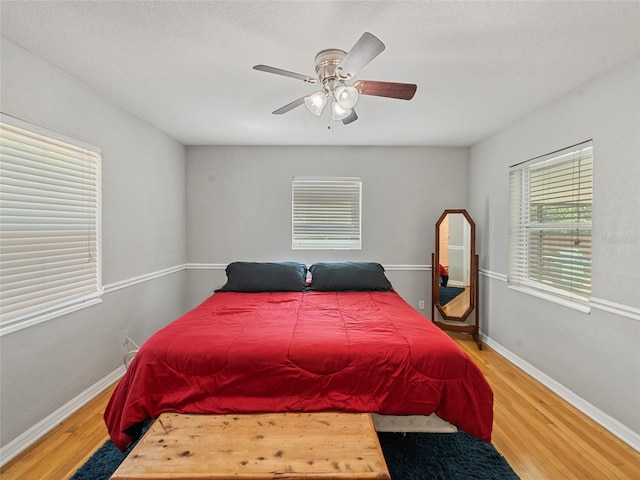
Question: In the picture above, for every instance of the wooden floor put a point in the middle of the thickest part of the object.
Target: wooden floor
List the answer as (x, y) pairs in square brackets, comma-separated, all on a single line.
[(540, 435)]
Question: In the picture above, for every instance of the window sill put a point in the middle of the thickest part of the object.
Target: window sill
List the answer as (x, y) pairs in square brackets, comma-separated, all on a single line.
[(565, 302), (11, 327)]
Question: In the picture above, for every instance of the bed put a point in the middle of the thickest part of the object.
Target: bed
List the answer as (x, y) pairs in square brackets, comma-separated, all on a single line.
[(270, 341)]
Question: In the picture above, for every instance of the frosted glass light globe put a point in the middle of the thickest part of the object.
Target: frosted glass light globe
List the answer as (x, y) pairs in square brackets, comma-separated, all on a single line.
[(339, 113), (346, 96), (316, 102)]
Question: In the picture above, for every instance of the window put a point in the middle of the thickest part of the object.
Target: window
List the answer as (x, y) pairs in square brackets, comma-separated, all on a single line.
[(326, 213), (50, 224), (550, 202)]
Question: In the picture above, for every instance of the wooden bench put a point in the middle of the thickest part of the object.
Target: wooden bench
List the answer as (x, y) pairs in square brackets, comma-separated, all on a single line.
[(327, 445)]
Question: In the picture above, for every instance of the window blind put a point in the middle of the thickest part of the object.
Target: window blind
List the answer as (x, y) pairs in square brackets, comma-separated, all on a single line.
[(326, 213), (550, 203), (49, 224)]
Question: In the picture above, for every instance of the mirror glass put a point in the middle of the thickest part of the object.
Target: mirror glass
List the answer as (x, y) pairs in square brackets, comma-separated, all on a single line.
[(455, 254)]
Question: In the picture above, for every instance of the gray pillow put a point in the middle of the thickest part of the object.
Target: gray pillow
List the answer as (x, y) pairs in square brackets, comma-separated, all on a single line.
[(265, 277), (348, 276)]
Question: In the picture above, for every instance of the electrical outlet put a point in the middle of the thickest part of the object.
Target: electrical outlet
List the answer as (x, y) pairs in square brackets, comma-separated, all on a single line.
[(125, 337), (420, 304)]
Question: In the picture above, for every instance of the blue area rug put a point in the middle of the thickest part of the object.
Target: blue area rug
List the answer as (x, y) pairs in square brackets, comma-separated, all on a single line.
[(411, 456), (449, 293)]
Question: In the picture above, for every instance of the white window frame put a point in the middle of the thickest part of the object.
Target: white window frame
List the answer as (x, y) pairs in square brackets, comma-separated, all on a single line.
[(50, 227), (549, 241), (326, 213)]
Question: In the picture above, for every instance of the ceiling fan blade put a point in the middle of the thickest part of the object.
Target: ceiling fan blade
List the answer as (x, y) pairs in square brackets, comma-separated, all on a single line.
[(286, 73), (364, 51), (351, 118), (402, 91), (289, 106)]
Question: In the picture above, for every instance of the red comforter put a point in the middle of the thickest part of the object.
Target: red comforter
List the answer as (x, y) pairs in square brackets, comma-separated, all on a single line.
[(279, 352)]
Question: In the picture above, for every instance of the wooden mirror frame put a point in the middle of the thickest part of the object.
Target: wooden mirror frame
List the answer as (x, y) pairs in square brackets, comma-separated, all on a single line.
[(472, 277), (472, 328)]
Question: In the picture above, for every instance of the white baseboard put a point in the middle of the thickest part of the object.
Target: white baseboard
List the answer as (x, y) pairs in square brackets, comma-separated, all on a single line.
[(28, 438), (16, 446), (621, 431)]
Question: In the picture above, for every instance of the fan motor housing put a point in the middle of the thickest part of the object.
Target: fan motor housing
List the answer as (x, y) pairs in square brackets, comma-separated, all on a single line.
[(326, 63)]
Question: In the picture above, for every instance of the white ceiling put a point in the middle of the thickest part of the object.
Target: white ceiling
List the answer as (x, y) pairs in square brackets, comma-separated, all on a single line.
[(186, 66)]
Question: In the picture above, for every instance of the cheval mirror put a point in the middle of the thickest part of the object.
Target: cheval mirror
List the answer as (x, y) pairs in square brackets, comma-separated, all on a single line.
[(455, 274)]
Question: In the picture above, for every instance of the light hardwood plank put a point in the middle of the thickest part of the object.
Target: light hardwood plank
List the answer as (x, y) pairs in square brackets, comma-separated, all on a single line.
[(66, 448), (541, 436)]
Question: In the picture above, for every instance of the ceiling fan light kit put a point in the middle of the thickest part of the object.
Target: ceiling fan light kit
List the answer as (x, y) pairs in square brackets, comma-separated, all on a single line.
[(334, 68)]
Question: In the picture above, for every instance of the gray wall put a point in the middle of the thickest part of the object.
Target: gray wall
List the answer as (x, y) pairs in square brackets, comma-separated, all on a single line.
[(239, 207), (237, 204), (44, 366), (594, 355)]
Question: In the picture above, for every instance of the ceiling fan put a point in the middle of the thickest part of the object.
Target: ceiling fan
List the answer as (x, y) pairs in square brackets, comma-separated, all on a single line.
[(334, 68)]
